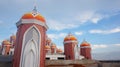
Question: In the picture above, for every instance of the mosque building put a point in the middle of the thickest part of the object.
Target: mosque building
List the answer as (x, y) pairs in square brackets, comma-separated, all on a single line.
[(31, 45)]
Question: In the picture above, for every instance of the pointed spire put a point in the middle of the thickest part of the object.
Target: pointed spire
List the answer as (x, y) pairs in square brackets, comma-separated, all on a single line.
[(84, 41), (69, 34), (35, 4), (34, 12), (35, 9)]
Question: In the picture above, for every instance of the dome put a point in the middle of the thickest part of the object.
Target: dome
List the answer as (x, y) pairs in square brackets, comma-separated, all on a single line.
[(6, 42), (47, 47), (33, 15), (70, 37), (53, 45), (48, 40), (85, 43), (59, 51), (13, 37)]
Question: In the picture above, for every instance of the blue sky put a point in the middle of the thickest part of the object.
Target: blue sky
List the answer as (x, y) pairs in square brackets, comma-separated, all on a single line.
[(97, 21)]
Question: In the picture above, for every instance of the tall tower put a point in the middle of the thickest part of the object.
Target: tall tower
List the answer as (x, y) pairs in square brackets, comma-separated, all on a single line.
[(47, 49), (70, 42), (13, 40), (85, 50), (30, 41)]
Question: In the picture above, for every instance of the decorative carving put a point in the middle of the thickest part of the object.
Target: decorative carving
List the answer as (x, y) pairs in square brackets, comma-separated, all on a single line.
[(31, 48)]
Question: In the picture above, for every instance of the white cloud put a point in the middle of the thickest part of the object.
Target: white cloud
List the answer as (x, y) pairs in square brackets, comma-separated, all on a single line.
[(92, 16), (52, 36), (76, 21), (79, 33), (99, 46), (117, 45), (57, 36), (97, 18), (115, 30), (57, 25), (85, 16)]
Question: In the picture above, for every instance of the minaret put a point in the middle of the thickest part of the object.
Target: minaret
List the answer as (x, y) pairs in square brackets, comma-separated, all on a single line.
[(53, 48), (85, 49), (6, 47), (47, 46), (13, 40), (70, 42), (30, 41), (48, 41), (47, 49)]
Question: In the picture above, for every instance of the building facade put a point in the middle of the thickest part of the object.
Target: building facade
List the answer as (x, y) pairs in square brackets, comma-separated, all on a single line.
[(30, 42)]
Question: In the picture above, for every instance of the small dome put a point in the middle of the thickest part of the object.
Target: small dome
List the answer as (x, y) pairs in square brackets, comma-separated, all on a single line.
[(33, 15), (53, 45), (47, 47), (59, 51), (70, 37), (48, 40), (13, 37), (6, 42), (85, 43)]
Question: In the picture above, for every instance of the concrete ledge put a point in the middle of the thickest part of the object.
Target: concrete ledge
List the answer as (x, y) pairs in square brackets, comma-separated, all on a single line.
[(71, 63), (7, 58)]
